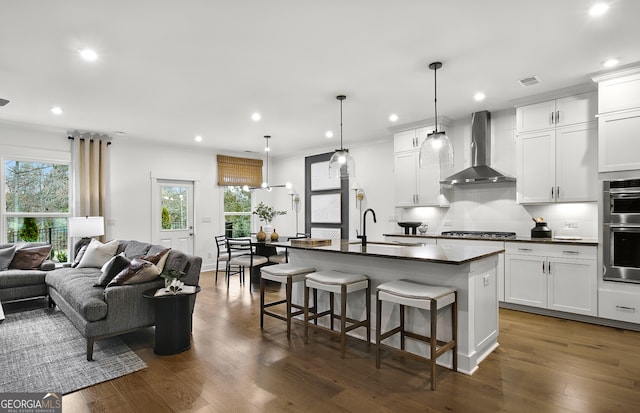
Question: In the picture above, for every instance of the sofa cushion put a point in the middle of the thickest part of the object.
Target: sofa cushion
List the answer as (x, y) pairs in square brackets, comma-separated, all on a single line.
[(29, 257), (159, 259), (76, 286), (134, 249), (139, 271), (19, 278), (112, 268), (97, 253), (6, 256)]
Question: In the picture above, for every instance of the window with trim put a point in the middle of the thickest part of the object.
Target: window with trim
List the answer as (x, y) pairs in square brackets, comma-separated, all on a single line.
[(237, 175), (36, 203)]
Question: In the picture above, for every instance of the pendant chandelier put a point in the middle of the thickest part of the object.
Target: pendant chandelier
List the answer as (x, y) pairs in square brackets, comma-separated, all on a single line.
[(265, 183), (341, 164), (436, 149)]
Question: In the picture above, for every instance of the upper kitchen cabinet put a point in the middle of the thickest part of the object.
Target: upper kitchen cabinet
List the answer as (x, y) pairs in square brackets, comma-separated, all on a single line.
[(558, 165), (413, 185), (556, 113), (618, 120)]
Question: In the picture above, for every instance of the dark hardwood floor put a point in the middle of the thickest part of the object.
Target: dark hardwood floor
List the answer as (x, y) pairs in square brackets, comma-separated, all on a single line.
[(543, 364)]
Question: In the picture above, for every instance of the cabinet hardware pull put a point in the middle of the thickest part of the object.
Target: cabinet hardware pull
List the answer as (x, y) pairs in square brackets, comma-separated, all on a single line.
[(557, 193), (551, 193), (552, 118), (570, 252), (557, 117), (622, 307), (543, 271), (524, 249), (549, 265)]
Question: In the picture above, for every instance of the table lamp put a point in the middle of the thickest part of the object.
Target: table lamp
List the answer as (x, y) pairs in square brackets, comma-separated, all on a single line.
[(85, 228)]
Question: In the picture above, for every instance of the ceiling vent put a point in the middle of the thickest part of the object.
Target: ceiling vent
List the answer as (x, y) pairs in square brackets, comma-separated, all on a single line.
[(3, 102), (529, 81)]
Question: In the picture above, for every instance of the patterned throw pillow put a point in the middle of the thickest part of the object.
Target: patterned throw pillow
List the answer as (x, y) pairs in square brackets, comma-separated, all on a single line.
[(30, 258), (139, 271)]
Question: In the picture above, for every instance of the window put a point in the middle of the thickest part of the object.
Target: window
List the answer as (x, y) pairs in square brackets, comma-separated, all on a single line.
[(237, 212), (36, 204), (175, 207)]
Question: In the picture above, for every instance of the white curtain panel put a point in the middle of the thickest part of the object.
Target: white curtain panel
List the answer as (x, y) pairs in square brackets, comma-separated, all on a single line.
[(90, 166)]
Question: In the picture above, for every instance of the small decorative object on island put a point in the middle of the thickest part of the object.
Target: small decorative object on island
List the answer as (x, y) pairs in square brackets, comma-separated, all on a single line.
[(261, 236), (423, 229), (541, 230), (171, 276), (267, 214), (274, 235)]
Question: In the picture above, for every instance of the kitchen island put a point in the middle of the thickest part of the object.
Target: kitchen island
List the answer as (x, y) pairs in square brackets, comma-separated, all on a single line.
[(471, 270)]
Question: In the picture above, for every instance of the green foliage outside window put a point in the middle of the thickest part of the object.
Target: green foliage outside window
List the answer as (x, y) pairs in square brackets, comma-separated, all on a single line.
[(237, 212), (29, 231), (166, 218)]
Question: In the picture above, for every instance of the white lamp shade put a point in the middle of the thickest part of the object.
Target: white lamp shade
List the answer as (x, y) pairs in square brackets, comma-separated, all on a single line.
[(436, 150), (81, 227), (341, 164)]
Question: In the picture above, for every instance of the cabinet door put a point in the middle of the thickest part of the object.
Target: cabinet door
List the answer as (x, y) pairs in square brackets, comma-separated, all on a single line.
[(618, 141), (405, 141), (535, 117), (576, 163), (576, 109), (404, 175), (428, 185), (525, 280), (536, 167), (573, 286)]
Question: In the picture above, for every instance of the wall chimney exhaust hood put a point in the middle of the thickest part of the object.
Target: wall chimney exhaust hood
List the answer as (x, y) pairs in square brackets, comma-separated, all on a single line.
[(479, 171)]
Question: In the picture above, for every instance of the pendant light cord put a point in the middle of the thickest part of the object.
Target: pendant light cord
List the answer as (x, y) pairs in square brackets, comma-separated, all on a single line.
[(435, 94)]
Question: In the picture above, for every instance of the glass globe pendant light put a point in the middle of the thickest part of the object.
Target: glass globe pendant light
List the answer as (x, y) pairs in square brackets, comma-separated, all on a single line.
[(436, 149), (341, 164)]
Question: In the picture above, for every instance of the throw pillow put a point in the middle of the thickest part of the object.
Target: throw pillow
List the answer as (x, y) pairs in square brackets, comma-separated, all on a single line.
[(30, 258), (139, 271), (159, 259), (112, 268), (97, 253), (6, 256), (79, 255)]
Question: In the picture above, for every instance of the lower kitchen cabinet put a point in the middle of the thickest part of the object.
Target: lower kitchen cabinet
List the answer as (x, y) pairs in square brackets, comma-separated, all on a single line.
[(619, 301), (553, 276)]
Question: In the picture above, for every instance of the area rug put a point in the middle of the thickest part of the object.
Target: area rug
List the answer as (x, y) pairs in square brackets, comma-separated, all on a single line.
[(41, 351)]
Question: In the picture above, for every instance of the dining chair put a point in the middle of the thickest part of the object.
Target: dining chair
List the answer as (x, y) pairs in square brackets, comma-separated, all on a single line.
[(241, 255), (222, 255)]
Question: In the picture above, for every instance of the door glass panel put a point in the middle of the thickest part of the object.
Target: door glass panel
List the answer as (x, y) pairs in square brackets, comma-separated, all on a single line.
[(175, 207)]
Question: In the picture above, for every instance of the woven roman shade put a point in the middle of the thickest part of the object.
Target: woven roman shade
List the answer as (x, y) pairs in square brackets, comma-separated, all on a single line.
[(234, 171)]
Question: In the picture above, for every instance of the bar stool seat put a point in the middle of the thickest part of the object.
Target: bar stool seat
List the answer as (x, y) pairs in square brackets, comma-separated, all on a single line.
[(289, 274), (336, 282), (427, 297)]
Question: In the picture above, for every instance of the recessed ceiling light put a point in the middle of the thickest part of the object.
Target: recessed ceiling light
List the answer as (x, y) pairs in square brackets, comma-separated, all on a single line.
[(610, 62), (329, 134), (393, 117), (256, 116), (57, 110), (598, 9), (89, 55), (479, 96), (198, 138)]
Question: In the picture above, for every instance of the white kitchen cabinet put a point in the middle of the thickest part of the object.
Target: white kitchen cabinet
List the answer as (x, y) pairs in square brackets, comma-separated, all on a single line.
[(553, 276), (558, 165), (413, 185), (620, 302), (561, 112), (618, 120), (618, 141)]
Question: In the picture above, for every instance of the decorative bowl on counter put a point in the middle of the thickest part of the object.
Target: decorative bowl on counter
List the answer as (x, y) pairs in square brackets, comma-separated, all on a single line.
[(423, 229), (409, 227)]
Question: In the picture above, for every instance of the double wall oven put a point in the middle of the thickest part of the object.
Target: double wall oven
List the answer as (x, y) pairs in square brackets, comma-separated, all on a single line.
[(621, 230)]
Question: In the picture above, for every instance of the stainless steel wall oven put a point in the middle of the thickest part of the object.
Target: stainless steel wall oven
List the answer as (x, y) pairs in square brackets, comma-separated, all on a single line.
[(621, 230)]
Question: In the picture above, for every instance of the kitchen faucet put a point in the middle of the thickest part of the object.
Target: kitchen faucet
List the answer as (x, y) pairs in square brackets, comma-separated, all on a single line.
[(363, 237)]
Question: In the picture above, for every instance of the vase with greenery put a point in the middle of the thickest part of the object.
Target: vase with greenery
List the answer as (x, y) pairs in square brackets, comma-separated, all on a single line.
[(267, 214)]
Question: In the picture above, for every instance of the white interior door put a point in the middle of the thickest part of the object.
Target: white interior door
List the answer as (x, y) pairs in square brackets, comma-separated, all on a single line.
[(172, 215)]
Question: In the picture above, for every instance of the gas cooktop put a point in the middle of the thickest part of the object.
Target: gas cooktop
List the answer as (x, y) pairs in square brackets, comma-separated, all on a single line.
[(480, 234)]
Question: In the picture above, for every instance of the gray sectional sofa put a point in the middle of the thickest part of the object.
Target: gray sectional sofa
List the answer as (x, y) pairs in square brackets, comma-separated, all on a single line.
[(99, 312)]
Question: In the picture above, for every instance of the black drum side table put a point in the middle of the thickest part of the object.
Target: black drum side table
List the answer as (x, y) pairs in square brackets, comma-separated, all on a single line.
[(173, 321)]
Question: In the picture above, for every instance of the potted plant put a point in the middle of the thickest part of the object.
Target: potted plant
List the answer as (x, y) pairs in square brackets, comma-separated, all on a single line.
[(266, 214)]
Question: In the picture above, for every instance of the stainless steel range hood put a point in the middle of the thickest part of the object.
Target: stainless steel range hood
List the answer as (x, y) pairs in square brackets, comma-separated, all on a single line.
[(480, 171)]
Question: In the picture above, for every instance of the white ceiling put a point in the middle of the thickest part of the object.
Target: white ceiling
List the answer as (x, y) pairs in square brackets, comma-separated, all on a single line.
[(170, 70)]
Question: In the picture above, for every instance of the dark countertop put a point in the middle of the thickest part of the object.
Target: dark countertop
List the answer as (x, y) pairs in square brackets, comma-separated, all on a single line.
[(581, 241), (455, 255)]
